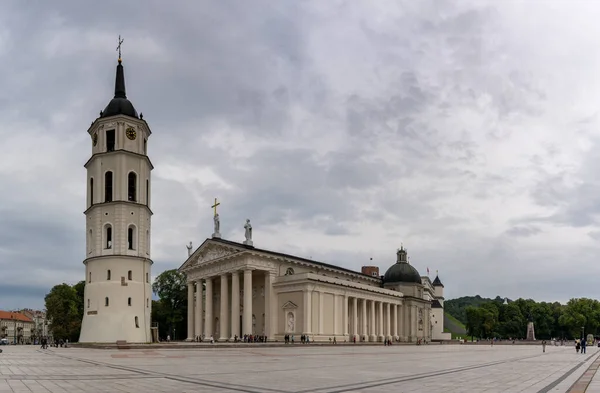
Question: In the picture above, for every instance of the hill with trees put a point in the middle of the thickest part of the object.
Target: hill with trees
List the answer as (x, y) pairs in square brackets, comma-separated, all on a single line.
[(485, 318)]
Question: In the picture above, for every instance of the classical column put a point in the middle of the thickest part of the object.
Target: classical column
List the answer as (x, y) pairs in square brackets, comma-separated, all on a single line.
[(373, 332), (355, 317), (247, 317), (364, 331), (336, 314), (235, 305), (190, 311), (395, 320), (320, 312), (269, 317), (345, 314), (388, 325), (208, 317), (198, 312), (224, 308), (380, 321), (307, 312)]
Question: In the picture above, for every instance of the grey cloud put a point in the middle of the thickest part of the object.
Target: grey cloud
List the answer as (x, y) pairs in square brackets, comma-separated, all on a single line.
[(523, 231), (386, 122)]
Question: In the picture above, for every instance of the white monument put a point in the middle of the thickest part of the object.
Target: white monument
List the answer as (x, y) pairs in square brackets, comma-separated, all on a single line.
[(217, 221), (248, 233), (117, 300)]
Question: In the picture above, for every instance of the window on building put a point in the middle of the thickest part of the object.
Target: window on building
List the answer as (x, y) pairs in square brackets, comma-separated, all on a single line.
[(129, 275), (147, 192), (129, 301), (108, 274), (131, 186), (374, 274), (91, 241), (91, 191), (147, 277), (108, 186), (89, 303), (108, 236), (106, 301), (145, 146), (147, 303), (137, 324), (110, 140), (90, 277), (131, 238)]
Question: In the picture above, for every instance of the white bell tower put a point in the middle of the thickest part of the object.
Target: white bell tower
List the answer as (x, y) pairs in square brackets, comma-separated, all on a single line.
[(118, 295)]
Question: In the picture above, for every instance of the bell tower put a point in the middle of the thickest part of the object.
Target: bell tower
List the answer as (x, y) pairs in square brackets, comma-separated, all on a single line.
[(118, 295)]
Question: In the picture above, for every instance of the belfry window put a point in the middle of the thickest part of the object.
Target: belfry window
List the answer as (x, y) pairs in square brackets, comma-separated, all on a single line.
[(137, 324), (110, 140), (108, 274), (131, 238), (145, 146), (129, 301), (90, 277), (147, 193), (106, 301), (91, 191), (131, 186), (108, 236), (129, 275), (108, 186)]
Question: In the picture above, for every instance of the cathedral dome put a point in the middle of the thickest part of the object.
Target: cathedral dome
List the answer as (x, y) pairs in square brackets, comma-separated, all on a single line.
[(119, 105), (402, 271)]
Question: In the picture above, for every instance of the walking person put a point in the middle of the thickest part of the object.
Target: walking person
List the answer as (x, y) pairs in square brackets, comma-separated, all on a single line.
[(583, 345), (544, 346)]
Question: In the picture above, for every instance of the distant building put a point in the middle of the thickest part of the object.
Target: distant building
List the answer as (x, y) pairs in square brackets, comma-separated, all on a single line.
[(16, 327), (40, 323)]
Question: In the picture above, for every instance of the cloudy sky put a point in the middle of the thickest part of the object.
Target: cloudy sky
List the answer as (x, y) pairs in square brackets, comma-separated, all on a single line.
[(466, 130)]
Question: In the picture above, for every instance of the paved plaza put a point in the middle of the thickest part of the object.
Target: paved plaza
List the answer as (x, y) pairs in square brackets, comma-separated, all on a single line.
[(303, 369)]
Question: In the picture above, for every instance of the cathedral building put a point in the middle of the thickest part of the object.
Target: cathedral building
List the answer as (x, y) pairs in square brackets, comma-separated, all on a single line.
[(236, 289), (117, 300)]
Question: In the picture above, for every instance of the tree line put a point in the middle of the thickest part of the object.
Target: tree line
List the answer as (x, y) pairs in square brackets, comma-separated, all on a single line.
[(488, 318)]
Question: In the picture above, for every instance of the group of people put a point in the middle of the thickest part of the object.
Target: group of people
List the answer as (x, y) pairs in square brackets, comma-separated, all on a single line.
[(580, 345)]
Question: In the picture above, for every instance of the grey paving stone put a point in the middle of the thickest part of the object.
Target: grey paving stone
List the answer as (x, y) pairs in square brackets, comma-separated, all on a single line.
[(442, 368)]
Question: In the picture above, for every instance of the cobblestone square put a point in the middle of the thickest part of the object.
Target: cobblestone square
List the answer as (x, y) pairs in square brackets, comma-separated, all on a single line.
[(302, 369)]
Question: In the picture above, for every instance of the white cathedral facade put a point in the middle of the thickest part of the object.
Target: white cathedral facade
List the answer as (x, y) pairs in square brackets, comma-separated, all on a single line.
[(118, 295)]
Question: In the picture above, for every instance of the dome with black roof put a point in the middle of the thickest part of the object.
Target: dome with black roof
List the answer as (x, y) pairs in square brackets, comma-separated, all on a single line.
[(402, 271), (119, 105)]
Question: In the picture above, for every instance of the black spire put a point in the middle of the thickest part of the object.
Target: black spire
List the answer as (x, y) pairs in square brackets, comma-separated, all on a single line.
[(120, 82), (119, 105)]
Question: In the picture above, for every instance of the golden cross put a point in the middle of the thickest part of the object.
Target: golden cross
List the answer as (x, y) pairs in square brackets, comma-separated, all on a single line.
[(215, 206)]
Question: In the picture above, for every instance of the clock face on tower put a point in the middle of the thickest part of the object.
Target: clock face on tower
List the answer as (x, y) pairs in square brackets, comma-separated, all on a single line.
[(95, 139), (130, 132)]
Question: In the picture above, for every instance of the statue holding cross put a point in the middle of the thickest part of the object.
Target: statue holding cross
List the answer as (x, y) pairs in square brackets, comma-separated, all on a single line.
[(216, 233)]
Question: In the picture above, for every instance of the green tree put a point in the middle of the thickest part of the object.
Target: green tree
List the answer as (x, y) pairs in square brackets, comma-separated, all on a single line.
[(171, 309), (474, 323), (64, 311)]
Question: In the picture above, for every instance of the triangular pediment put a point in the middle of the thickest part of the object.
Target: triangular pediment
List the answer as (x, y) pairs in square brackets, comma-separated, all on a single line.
[(207, 252), (289, 305)]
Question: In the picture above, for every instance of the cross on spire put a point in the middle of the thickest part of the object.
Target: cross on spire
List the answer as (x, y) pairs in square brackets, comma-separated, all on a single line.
[(215, 206), (119, 46)]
